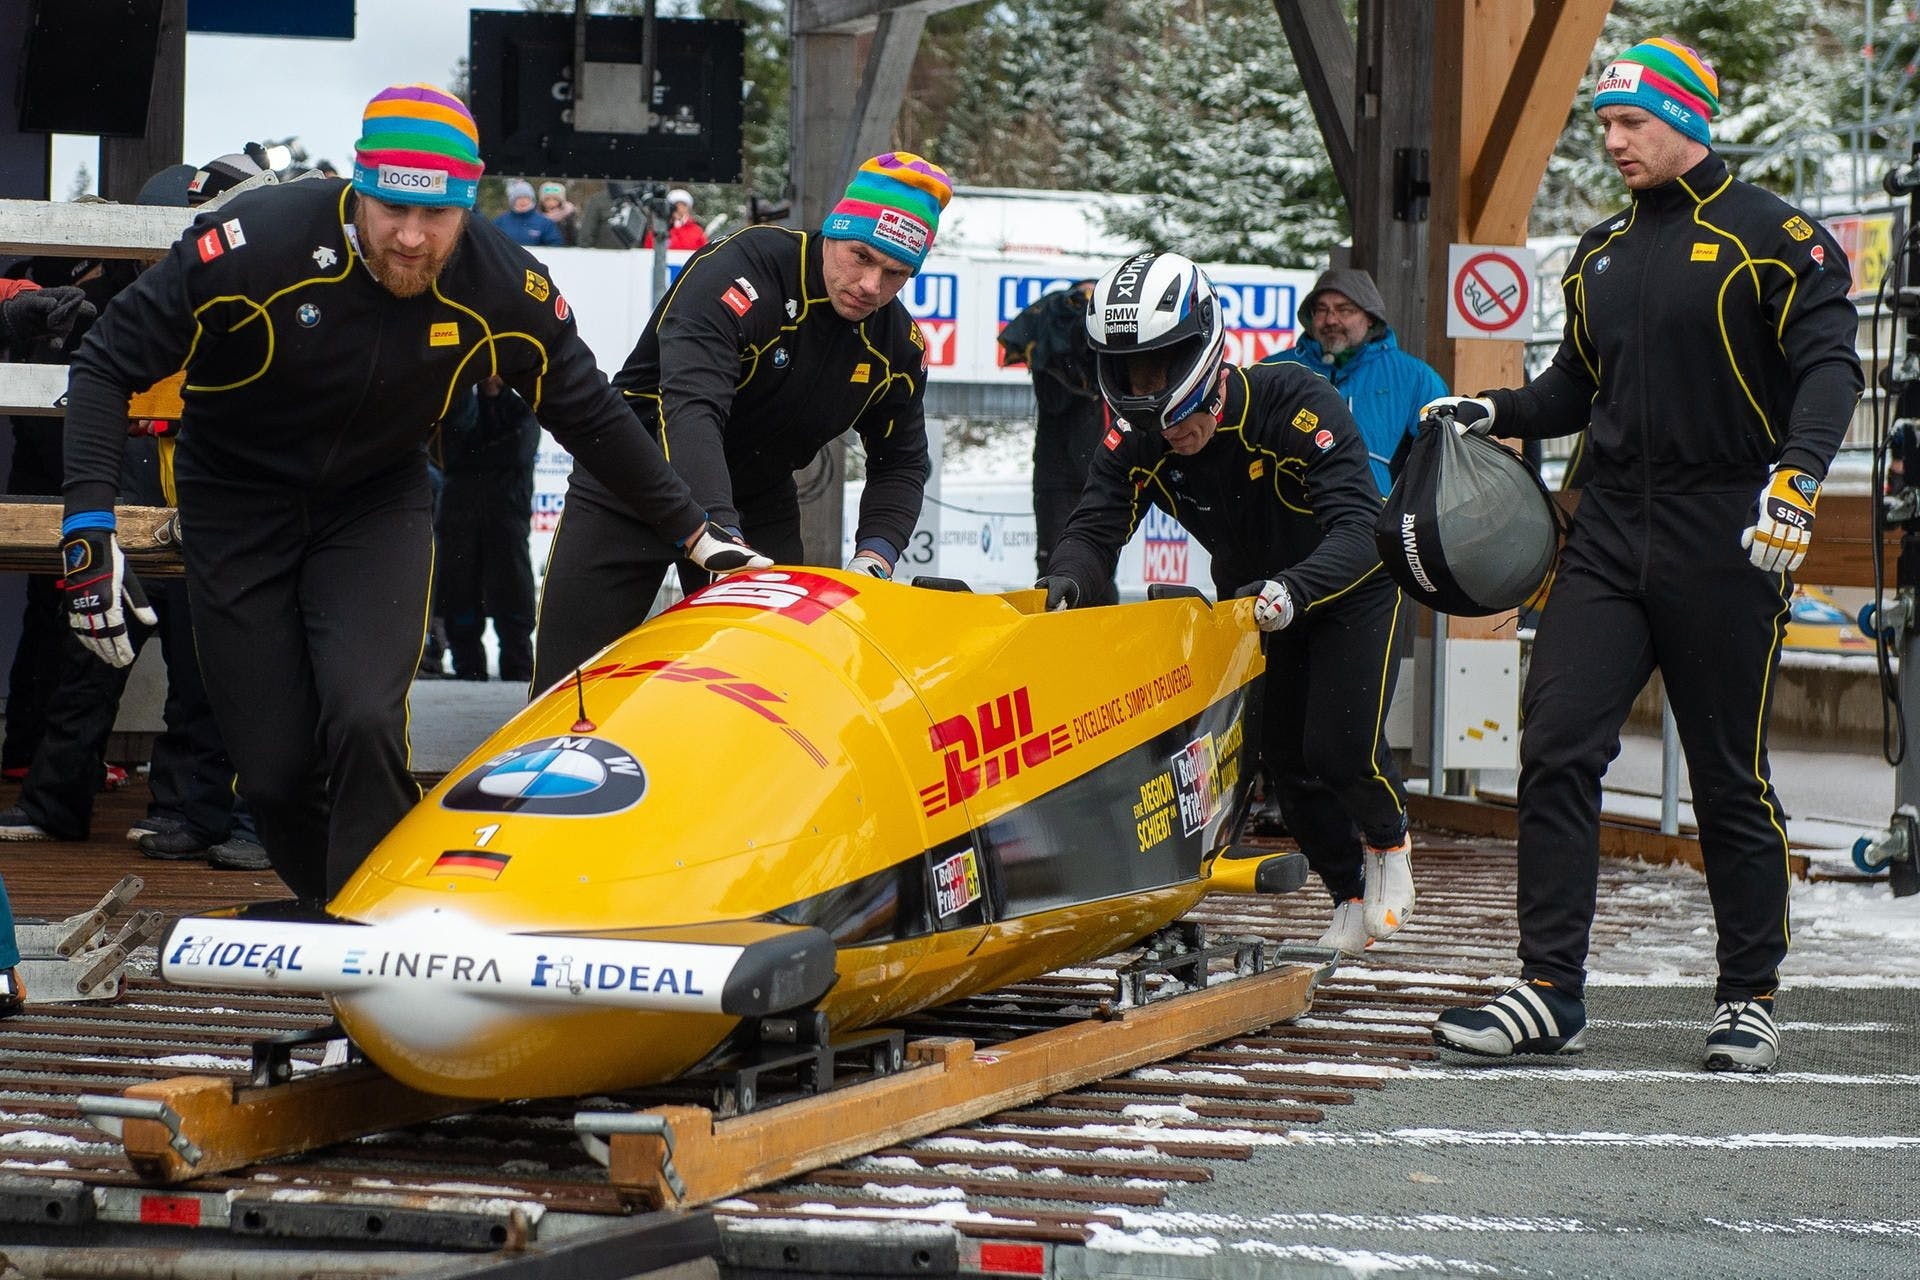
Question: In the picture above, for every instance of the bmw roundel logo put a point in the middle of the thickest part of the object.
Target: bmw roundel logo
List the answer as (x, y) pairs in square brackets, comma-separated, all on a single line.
[(560, 777), (308, 314), (780, 357), (1602, 264)]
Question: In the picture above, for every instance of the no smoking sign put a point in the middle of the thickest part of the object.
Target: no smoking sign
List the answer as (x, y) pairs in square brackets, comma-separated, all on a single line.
[(1489, 292)]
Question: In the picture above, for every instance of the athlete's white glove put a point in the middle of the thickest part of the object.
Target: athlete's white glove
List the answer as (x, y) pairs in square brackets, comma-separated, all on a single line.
[(871, 563), (1778, 540), (1273, 604), (717, 551), (1470, 415), (100, 588)]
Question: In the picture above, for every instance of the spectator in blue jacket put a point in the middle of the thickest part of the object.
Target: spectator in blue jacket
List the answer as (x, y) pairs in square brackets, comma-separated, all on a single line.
[(1347, 341), (525, 224)]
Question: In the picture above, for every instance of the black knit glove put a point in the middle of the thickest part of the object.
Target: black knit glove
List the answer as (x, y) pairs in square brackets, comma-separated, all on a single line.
[(43, 313)]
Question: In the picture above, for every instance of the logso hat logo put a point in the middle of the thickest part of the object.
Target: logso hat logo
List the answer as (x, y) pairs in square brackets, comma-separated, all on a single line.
[(393, 177)]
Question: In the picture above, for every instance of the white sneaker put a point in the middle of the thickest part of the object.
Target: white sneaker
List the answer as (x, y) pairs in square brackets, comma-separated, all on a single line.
[(1348, 932), (1389, 900)]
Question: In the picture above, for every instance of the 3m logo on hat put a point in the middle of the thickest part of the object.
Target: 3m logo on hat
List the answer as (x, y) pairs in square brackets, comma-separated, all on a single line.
[(1619, 77), (895, 227), (393, 177)]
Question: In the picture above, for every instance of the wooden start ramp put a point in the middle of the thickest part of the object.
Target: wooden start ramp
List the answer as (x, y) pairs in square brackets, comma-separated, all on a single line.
[(179, 1129), (696, 1158)]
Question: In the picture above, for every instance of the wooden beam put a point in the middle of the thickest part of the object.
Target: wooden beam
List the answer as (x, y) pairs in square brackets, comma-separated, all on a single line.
[(1619, 837), (853, 17), (1532, 114), (127, 163), (30, 537), (950, 1085), (1323, 49), (234, 1125), (1393, 105), (30, 227), (883, 87)]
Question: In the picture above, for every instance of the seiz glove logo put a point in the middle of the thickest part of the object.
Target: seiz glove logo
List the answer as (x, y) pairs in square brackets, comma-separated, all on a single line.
[(1782, 530)]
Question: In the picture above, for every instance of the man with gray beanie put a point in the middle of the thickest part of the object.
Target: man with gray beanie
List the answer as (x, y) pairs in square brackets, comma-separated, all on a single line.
[(1348, 342)]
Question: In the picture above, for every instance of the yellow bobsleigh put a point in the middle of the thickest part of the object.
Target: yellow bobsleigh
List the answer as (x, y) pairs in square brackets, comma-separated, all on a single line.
[(796, 789)]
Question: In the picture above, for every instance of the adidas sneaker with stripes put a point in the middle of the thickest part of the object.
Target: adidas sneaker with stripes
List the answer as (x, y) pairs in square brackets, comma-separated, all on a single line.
[(1743, 1037), (1533, 1017)]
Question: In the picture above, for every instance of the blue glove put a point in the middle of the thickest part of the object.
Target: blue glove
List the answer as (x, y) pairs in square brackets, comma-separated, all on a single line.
[(99, 589)]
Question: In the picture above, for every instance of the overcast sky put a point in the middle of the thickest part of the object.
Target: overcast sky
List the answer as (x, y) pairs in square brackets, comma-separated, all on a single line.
[(244, 89)]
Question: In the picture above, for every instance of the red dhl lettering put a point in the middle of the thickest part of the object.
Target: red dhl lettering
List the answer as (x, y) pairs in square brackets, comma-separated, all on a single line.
[(988, 748)]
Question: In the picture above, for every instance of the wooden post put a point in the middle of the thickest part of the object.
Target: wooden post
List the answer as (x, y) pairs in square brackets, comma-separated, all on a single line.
[(1393, 126), (127, 163)]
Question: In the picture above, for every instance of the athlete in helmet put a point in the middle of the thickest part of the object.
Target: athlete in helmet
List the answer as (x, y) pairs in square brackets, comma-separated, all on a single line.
[(1266, 468)]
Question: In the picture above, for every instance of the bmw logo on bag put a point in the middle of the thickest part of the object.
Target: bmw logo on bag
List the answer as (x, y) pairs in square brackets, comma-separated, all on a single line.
[(561, 777)]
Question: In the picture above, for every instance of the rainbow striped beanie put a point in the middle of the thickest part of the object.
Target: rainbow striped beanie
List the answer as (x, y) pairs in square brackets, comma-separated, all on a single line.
[(418, 145), (893, 204), (1667, 79)]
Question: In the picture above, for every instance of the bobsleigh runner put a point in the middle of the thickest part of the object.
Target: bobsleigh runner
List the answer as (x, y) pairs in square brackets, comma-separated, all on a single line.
[(796, 790)]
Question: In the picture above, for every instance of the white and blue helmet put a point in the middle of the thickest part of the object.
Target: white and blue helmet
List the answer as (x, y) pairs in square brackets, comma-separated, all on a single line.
[(1164, 304)]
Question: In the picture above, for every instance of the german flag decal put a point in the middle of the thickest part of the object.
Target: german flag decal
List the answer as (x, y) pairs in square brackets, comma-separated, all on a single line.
[(471, 862)]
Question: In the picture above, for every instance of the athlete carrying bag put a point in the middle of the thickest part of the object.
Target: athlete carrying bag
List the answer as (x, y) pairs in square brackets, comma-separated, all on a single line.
[(1469, 528)]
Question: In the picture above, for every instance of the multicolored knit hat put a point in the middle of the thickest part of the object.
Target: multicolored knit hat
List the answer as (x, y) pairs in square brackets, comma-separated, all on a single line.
[(893, 204), (418, 145), (1667, 79)]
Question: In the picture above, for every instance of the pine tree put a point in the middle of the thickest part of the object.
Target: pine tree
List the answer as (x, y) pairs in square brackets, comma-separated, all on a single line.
[(1200, 107)]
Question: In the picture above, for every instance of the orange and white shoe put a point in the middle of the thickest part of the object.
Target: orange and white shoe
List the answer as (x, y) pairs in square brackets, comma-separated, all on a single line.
[(1389, 900)]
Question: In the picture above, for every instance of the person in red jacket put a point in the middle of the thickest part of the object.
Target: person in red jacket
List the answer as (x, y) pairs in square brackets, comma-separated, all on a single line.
[(682, 231)]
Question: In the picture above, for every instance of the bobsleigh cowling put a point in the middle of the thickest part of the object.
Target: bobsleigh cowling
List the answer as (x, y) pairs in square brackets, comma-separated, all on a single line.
[(797, 788)]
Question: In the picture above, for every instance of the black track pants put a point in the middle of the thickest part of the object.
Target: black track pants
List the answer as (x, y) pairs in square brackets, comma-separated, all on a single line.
[(190, 777), (1641, 585), (1329, 679), (310, 615), (603, 572), (485, 570)]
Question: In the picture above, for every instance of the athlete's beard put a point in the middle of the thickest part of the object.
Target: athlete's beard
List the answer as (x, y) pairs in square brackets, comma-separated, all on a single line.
[(400, 280)]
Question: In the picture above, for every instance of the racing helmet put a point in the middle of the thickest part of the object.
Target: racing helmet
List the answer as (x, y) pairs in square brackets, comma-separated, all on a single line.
[(1158, 303)]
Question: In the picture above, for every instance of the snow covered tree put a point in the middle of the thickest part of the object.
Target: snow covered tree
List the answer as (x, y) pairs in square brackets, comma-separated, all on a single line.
[(1199, 106)]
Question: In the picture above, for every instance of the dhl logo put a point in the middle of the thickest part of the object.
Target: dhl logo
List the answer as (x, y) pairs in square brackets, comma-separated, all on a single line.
[(988, 748)]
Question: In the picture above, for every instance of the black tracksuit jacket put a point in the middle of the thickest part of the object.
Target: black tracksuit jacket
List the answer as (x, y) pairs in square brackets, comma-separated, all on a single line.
[(743, 372), (759, 372), (310, 392), (305, 373), (1284, 490), (1709, 336)]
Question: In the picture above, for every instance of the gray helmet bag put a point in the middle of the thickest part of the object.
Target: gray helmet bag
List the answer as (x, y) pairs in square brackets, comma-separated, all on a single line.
[(1469, 527)]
